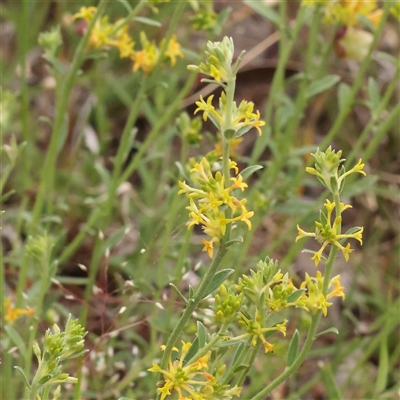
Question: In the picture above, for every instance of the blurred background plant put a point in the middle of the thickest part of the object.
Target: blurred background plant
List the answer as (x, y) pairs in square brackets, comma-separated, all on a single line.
[(93, 144)]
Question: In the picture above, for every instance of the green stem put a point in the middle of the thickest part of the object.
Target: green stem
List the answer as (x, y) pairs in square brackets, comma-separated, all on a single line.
[(285, 48), (193, 304), (48, 170), (23, 40), (203, 351), (250, 363), (357, 82), (314, 322), (310, 335), (365, 134)]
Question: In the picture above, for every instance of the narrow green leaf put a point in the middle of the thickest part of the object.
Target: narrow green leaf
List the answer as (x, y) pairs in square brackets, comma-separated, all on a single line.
[(7, 195), (228, 343), (293, 349), (332, 389), (148, 21), (21, 371), (343, 94), (238, 239), (383, 370), (194, 348), (15, 338), (373, 93), (129, 9), (238, 352), (264, 10), (250, 171), (330, 330), (322, 84), (241, 367), (295, 295), (218, 279), (201, 334), (179, 293)]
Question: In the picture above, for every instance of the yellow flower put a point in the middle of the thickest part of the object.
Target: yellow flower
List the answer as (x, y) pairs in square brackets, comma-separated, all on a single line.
[(180, 377), (85, 13), (256, 331), (327, 233), (173, 50), (123, 42), (12, 313)]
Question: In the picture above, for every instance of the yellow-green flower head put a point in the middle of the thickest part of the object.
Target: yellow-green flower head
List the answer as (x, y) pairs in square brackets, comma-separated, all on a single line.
[(256, 330), (327, 233), (227, 304), (327, 169), (105, 35), (259, 281), (208, 202), (218, 63), (148, 57), (241, 121), (182, 378), (313, 299)]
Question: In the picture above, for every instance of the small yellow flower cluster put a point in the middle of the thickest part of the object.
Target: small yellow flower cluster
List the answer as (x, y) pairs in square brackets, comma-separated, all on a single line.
[(256, 330), (191, 380), (314, 299), (149, 56), (106, 35), (352, 40), (209, 202), (242, 120), (278, 291), (12, 313), (327, 233)]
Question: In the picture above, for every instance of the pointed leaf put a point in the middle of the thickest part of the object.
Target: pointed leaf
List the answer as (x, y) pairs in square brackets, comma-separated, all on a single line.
[(265, 10), (201, 334), (330, 330), (218, 279), (21, 371), (16, 338), (250, 171), (194, 348), (343, 94), (322, 84), (241, 367), (373, 93), (295, 295), (148, 21), (179, 293), (238, 352), (293, 349)]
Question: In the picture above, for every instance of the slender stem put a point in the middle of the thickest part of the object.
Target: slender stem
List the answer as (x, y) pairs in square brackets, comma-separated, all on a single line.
[(250, 363), (310, 335), (193, 304), (365, 134), (285, 48), (47, 173), (357, 82), (315, 319), (23, 40), (203, 351)]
